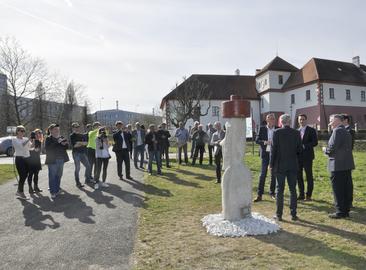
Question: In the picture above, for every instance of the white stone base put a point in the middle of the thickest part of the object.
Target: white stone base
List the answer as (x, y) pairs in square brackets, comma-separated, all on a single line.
[(256, 224)]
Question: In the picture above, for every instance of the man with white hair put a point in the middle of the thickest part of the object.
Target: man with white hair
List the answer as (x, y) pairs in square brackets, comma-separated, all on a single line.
[(340, 166), (286, 146), (217, 137)]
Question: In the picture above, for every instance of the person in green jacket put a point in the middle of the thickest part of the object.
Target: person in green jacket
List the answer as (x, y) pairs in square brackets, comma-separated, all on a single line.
[(92, 135)]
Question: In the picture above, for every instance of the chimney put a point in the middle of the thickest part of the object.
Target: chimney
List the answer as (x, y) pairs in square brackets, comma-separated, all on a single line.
[(257, 71), (356, 61), (117, 105), (237, 72)]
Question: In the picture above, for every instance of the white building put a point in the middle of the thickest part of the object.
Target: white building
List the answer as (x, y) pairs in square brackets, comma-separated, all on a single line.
[(320, 88)]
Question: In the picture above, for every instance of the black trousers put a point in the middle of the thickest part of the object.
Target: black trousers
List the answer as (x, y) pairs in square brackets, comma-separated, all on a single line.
[(99, 163), (123, 156), (281, 180), (342, 191), (33, 175), (210, 150), (218, 158), (21, 164), (201, 150), (306, 165), (91, 159), (164, 151)]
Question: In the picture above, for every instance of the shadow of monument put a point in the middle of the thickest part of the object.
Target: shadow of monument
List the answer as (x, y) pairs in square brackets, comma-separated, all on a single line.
[(69, 204), (294, 243), (34, 218)]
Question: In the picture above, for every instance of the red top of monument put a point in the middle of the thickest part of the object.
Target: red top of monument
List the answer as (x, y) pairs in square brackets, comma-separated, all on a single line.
[(236, 107)]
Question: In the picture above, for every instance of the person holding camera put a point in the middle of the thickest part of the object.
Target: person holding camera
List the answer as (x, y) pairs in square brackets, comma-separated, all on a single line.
[(79, 141), (92, 135), (102, 157), (35, 166), (56, 156), (152, 140), (21, 146)]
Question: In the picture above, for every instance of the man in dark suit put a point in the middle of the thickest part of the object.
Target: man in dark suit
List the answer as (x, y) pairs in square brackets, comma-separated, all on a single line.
[(286, 147), (264, 139), (340, 165), (122, 143), (346, 122), (138, 138), (309, 140), (164, 136)]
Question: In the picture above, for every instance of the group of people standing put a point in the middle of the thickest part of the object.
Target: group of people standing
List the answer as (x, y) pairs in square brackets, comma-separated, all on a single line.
[(287, 152)]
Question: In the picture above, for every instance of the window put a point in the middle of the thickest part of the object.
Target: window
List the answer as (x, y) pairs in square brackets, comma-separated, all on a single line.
[(307, 94), (292, 98), (348, 94), (363, 96), (331, 93), (262, 102), (280, 79), (265, 81), (215, 110)]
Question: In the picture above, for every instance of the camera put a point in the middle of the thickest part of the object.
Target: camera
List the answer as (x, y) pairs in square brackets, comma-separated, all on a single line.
[(33, 135)]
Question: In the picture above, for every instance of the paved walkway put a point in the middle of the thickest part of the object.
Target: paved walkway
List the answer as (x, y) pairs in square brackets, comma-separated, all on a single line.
[(81, 229)]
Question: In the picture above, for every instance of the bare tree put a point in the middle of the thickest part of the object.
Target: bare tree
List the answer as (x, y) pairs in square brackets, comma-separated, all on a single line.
[(185, 102), (23, 72)]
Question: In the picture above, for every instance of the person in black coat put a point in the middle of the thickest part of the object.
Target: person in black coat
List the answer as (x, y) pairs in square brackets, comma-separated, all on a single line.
[(309, 140), (35, 160), (286, 146), (164, 136), (200, 137), (264, 139), (121, 147), (56, 156), (152, 140), (346, 122)]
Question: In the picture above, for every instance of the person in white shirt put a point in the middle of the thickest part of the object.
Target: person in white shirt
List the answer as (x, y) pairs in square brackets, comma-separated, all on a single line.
[(21, 146), (102, 157)]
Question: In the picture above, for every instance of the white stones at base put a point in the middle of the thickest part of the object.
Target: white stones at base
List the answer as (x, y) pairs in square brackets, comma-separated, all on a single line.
[(255, 224)]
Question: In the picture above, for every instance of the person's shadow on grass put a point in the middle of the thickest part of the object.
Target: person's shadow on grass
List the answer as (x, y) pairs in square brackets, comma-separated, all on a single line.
[(132, 198), (173, 178), (295, 243), (34, 218), (148, 188)]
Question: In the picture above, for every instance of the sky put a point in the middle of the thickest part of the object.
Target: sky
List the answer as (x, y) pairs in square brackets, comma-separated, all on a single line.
[(136, 51)]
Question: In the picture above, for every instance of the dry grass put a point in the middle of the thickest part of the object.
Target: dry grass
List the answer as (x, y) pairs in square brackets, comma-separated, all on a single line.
[(170, 234)]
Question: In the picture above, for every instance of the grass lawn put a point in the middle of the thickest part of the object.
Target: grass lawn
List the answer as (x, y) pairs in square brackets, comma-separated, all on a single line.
[(6, 173), (171, 236)]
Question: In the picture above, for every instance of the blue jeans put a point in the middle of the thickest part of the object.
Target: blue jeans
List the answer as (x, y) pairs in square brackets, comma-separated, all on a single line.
[(83, 159), (55, 171), (139, 150), (291, 180), (154, 155)]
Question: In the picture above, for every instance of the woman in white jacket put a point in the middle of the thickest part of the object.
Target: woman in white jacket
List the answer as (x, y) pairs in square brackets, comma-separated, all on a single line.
[(102, 157)]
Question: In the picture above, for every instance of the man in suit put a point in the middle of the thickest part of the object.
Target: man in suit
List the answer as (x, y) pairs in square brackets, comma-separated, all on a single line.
[(264, 139), (138, 139), (346, 122), (191, 132), (164, 136), (210, 132), (340, 165), (286, 146), (309, 140), (217, 137), (122, 143)]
